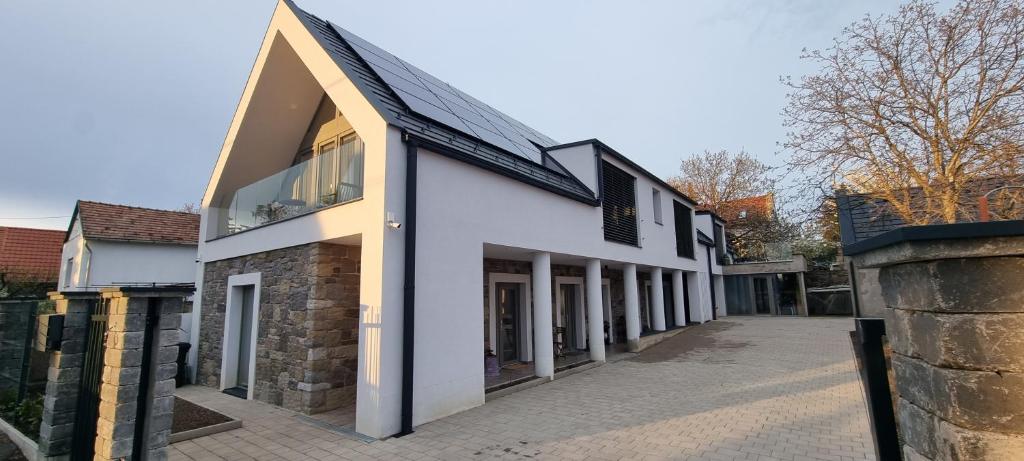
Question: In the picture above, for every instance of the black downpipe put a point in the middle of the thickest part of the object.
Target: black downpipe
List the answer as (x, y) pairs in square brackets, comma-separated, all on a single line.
[(409, 311), (711, 281)]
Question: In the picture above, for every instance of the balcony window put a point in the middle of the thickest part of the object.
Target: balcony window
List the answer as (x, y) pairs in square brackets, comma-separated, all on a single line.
[(333, 176)]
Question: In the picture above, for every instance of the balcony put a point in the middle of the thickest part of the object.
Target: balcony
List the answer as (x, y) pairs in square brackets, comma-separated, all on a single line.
[(334, 177)]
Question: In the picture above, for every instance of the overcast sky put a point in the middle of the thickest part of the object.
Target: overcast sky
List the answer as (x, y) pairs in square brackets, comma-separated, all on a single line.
[(128, 102)]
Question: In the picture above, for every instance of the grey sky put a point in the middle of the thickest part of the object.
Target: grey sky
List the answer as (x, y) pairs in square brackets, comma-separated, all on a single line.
[(128, 101)]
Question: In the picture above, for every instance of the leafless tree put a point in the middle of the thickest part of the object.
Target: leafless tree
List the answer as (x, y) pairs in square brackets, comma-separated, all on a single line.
[(741, 189), (915, 107), (189, 207), (717, 178)]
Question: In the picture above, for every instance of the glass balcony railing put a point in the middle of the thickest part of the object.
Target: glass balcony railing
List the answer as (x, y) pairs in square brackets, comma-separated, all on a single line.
[(333, 177)]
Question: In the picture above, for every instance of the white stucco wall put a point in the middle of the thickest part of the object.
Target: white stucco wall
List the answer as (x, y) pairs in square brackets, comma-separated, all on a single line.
[(460, 208), (100, 263)]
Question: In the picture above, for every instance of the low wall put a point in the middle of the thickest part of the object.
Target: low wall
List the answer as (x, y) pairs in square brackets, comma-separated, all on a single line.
[(954, 296)]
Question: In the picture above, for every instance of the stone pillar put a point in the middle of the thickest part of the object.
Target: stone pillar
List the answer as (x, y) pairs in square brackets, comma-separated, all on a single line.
[(632, 307), (595, 311), (130, 378), (543, 340), (955, 301), (657, 300), (678, 300), (64, 374)]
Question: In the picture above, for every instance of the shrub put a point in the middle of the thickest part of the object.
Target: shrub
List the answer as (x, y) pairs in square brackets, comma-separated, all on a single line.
[(24, 415)]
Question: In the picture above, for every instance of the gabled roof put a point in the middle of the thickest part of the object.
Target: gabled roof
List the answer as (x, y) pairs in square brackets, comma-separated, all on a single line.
[(601, 146), (122, 223), (30, 254), (439, 116)]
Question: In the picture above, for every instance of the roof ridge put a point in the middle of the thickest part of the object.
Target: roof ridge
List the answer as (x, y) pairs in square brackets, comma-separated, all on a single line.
[(138, 207), (32, 229)]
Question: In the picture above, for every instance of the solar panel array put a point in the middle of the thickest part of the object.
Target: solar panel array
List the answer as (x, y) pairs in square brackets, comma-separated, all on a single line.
[(443, 103)]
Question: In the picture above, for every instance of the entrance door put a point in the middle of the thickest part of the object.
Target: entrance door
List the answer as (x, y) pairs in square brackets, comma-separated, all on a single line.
[(609, 322), (670, 303), (508, 300), (762, 296), (572, 321), (245, 337)]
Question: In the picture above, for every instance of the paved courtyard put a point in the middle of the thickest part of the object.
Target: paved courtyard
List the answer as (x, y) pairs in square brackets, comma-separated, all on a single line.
[(734, 389)]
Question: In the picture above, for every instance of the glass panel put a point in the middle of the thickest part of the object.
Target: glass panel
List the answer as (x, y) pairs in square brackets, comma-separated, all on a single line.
[(334, 176), (508, 307), (762, 297)]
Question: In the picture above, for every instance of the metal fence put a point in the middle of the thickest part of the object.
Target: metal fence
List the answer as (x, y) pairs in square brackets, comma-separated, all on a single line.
[(22, 369)]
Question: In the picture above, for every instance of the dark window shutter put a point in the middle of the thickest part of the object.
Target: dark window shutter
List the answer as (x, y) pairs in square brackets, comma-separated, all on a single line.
[(684, 229), (619, 205)]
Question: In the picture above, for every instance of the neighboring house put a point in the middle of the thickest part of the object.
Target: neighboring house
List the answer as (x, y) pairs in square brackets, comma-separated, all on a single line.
[(734, 211), (29, 260), (862, 217), (109, 245), (370, 233)]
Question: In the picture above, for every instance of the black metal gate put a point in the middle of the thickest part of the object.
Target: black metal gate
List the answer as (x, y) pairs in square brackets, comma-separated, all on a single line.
[(84, 439)]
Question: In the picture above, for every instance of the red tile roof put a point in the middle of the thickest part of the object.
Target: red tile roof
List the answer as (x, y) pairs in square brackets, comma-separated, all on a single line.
[(105, 221), (30, 254)]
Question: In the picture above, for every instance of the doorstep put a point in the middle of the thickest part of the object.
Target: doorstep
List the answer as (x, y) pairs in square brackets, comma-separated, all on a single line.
[(534, 381), (649, 340)]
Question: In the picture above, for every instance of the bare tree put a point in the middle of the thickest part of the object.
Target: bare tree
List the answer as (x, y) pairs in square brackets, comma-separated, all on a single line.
[(741, 189), (189, 207), (915, 107), (717, 178)]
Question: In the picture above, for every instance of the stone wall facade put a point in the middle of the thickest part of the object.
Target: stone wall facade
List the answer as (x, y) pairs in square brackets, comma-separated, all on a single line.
[(954, 321), (308, 330)]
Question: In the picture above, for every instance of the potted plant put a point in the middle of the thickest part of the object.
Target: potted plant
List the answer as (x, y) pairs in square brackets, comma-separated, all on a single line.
[(491, 367)]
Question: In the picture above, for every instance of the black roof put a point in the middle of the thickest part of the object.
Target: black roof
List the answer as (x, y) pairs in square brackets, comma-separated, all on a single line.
[(442, 118), (703, 239), (862, 216)]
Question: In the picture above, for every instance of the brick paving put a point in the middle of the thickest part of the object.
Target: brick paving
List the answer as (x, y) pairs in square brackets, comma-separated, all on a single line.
[(734, 389)]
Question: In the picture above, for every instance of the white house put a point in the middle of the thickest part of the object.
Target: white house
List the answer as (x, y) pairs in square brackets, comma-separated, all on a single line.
[(369, 233), (116, 245)]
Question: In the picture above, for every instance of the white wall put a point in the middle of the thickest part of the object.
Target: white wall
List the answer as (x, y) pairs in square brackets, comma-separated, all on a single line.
[(581, 162), (461, 207)]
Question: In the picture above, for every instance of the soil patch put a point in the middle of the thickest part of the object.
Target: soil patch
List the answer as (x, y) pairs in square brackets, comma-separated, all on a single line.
[(8, 450), (188, 416), (696, 338)]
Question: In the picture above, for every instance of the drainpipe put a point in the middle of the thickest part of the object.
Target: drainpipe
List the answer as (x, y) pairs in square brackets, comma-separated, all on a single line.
[(409, 311), (711, 281)]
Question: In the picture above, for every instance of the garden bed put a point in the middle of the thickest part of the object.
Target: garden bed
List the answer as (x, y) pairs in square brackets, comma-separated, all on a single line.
[(192, 421)]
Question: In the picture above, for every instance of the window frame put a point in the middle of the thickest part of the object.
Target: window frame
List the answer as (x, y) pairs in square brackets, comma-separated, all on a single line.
[(626, 233), (656, 202), (685, 244)]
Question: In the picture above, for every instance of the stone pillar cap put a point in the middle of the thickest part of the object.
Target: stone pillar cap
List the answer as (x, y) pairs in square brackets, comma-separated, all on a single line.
[(939, 241)]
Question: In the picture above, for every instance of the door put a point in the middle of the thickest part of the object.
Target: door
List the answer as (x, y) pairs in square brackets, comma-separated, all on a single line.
[(762, 296), (670, 303), (83, 437), (245, 337), (609, 323), (508, 300)]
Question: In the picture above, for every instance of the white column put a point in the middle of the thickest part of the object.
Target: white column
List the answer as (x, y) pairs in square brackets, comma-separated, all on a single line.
[(595, 310), (632, 307), (802, 299), (543, 343), (678, 300), (696, 303), (657, 300)]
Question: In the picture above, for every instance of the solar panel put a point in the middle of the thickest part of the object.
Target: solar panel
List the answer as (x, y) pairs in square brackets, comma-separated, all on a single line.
[(432, 98)]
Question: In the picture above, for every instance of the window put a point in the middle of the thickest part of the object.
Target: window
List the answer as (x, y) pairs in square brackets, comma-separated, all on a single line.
[(684, 229), (67, 271), (656, 198), (618, 191), (719, 241)]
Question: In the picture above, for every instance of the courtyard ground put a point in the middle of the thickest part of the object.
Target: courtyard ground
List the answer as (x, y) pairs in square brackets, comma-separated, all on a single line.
[(740, 388)]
